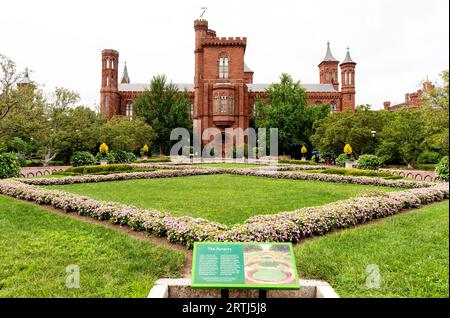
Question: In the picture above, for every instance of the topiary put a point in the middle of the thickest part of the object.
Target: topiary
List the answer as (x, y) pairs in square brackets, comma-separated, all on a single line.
[(442, 169), (368, 162), (343, 158), (9, 166), (82, 158)]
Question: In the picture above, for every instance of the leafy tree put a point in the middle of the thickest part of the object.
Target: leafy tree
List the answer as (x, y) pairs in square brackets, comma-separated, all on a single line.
[(438, 96), (402, 137), (164, 108), (333, 132), (286, 109), (121, 133)]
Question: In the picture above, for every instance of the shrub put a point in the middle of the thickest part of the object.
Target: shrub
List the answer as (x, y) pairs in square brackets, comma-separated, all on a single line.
[(151, 160), (327, 156), (123, 156), (99, 169), (9, 166), (358, 173), (298, 162), (82, 158), (369, 162), (109, 156), (343, 158), (428, 157), (442, 169)]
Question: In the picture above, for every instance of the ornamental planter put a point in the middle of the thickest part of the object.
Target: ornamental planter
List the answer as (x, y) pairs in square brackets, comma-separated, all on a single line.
[(103, 162), (144, 157)]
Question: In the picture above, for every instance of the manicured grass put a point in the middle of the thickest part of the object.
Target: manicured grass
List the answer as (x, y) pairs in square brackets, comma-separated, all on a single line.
[(411, 251), (36, 246), (228, 199)]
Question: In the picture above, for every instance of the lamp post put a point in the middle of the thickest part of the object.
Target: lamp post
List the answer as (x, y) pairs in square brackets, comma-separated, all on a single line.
[(374, 133)]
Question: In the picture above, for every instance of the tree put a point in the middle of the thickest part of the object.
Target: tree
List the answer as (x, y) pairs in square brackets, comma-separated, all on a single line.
[(164, 108), (286, 109), (402, 137), (121, 133), (10, 95), (438, 96), (340, 128)]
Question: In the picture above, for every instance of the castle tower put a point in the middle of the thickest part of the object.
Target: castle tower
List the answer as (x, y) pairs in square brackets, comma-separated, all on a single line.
[(109, 92), (328, 69), (348, 82), (25, 80)]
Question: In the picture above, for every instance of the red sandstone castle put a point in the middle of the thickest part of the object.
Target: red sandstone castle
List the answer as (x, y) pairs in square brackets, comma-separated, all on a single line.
[(223, 93)]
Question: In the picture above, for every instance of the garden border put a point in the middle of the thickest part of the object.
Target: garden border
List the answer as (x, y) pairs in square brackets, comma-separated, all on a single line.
[(279, 227)]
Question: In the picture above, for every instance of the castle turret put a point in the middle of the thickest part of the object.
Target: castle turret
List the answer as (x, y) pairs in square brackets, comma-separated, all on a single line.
[(328, 69), (109, 92), (348, 82)]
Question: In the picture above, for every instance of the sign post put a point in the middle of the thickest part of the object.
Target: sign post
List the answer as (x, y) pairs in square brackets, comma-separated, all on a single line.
[(253, 265)]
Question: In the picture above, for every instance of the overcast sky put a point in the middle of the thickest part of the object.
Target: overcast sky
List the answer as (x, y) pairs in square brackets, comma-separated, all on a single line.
[(395, 43)]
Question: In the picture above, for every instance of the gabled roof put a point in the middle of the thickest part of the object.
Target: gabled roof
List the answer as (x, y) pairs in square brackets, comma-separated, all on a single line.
[(140, 87), (316, 88)]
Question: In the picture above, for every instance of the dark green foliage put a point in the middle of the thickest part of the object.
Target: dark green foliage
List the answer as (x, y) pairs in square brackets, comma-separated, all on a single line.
[(163, 108), (122, 156), (369, 162), (442, 169), (428, 156), (287, 110), (82, 158), (9, 166), (101, 169), (152, 160), (357, 173), (298, 162), (343, 158)]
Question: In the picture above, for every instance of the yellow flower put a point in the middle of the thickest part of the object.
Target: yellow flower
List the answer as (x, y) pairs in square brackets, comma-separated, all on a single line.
[(347, 149), (103, 148), (145, 149), (304, 149)]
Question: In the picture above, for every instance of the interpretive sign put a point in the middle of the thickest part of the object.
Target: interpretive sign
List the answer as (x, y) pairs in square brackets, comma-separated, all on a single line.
[(244, 265)]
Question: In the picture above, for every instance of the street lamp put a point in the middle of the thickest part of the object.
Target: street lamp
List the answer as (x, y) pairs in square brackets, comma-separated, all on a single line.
[(374, 133)]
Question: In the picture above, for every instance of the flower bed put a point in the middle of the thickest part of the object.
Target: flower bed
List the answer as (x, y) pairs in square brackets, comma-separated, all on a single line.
[(281, 227), (120, 176)]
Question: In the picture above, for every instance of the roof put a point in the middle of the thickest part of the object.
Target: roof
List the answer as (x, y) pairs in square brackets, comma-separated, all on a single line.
[(25, 79), (348, 58), (317, 88), (140, 87), (328, 55), (246, 68), (125, 77)]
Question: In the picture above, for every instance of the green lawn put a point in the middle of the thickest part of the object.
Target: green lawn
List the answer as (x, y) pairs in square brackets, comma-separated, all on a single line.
[(411, 251), (228, 199), (36, 246)]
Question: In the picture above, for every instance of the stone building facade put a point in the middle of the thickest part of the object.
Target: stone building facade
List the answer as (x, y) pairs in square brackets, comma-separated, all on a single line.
[(223, 93), (412, 100)]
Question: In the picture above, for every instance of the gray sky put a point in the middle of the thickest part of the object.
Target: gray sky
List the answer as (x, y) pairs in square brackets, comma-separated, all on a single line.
[(395, 43)]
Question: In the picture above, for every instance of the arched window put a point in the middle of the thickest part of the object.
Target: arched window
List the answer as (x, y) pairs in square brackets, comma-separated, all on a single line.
[(129, 110), (328, 75), (333, 107), (106, 101), (107, 80), (350, 79), (230, 104), (223, 67), (223, 104), (216, 104), (346, 78)]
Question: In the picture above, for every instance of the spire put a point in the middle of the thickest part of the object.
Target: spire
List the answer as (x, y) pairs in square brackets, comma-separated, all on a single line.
[(26, 77), (328, 56), (125, 77), (348, 58)]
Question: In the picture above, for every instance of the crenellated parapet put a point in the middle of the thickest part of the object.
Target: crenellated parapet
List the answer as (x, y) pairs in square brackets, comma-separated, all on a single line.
[(225, 41)]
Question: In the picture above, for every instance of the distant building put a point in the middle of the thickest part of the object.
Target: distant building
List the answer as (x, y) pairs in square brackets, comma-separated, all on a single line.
[(412, 100), (223, 93)]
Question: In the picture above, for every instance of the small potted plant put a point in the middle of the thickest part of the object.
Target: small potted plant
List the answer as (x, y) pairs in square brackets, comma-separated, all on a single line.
[(348, 151), (304, 150), (104, 151), (145, 151)]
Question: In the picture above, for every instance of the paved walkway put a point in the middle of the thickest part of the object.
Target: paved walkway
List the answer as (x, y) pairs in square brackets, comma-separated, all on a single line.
[(28, 172)]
